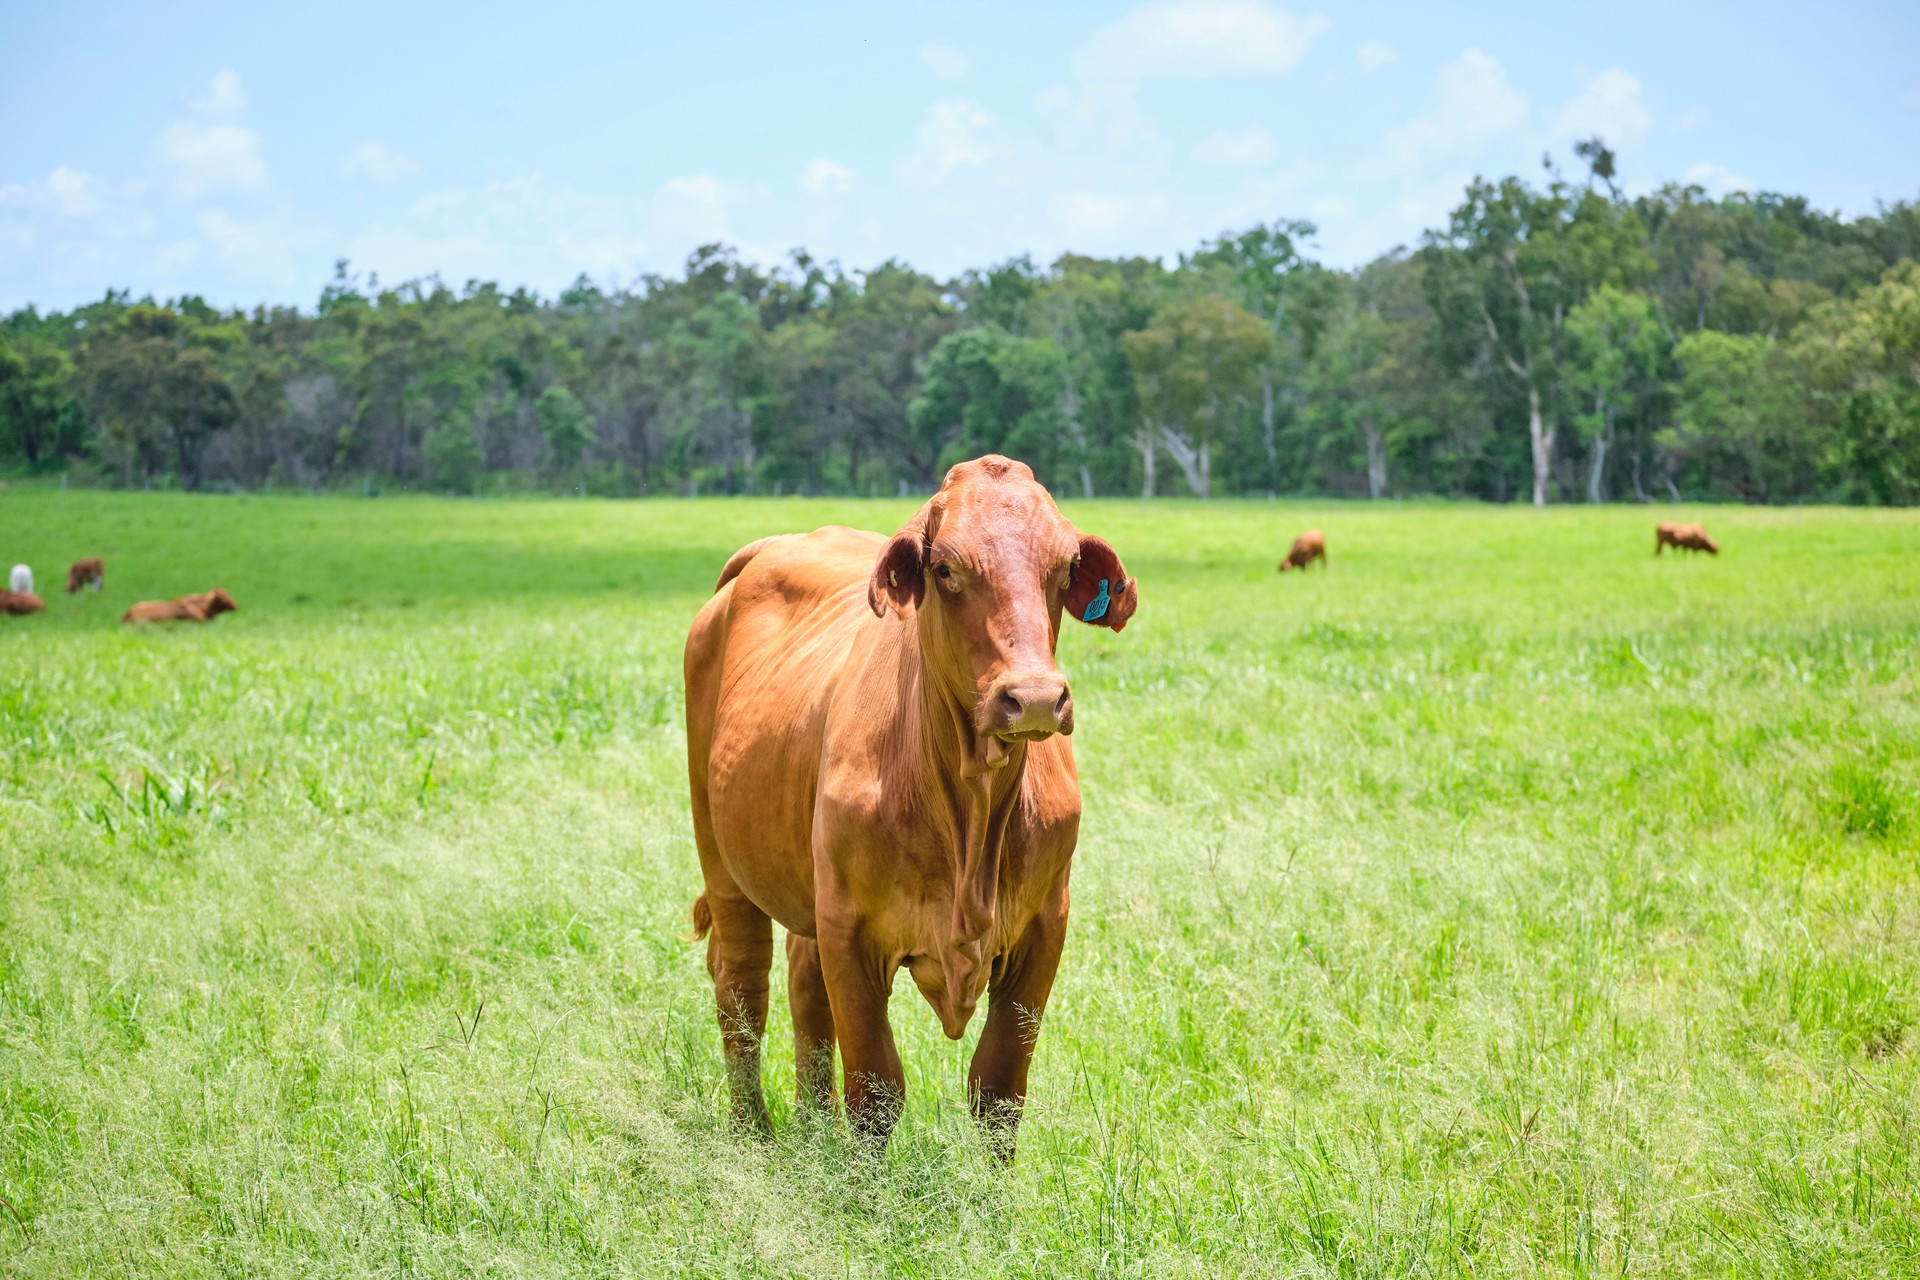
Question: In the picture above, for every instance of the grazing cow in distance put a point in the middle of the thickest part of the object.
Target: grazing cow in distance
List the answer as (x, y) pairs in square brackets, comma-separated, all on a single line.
[(20, 603), (20, 580), (877, 753), (201, 608), (91, 572), (1308, 547), (1682, 537)]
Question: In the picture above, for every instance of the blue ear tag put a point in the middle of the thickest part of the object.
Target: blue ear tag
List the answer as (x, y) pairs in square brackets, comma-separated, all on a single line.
[(1097, 607)]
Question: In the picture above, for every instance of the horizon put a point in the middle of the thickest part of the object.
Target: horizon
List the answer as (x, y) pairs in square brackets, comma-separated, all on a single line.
[(206, 153)]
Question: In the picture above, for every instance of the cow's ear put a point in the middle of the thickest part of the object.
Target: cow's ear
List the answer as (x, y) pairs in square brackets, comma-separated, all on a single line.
[(1100, 592), (899, 575)]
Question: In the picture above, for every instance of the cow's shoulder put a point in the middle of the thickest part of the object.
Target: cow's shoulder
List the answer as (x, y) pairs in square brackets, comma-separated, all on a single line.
[(798, 569)]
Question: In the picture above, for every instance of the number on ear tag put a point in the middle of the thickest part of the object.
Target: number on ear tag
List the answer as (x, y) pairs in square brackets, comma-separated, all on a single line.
[(1097, 607)]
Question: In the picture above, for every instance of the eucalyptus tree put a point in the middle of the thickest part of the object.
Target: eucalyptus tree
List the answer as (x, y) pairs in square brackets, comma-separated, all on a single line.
[(1615, 348), (1503, 276), (986, 390), (154, 382), (40, 419), (1192, 363), (1265, 269)]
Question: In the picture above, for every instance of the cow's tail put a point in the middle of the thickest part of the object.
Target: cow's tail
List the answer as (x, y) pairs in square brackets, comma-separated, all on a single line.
[(702, 919), (738, 560)]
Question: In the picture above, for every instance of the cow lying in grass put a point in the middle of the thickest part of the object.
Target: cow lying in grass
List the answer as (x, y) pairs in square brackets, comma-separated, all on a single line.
[(91, 572), (1308, 547), (1682, 537), (876, 745), (20, 603), (200, 608)]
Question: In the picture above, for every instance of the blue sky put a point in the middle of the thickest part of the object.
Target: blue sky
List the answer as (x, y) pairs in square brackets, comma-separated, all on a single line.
[(234, 152)]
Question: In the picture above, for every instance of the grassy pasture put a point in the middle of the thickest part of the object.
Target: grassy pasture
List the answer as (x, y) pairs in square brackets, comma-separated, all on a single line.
[(1504, 901)]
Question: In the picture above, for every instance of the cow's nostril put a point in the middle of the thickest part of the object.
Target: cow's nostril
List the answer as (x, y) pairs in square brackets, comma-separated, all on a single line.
[(1012, 706), (1060, 707)]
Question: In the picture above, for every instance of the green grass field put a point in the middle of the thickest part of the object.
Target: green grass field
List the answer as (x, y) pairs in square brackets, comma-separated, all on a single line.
[(1504, 901)]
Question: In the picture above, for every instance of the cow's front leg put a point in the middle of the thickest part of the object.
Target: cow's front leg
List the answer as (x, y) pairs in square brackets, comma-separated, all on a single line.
[(859, 979), (997, 1082), (740, 958)]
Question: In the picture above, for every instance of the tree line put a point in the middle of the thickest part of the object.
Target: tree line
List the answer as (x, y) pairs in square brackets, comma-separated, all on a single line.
[(1555, 341)]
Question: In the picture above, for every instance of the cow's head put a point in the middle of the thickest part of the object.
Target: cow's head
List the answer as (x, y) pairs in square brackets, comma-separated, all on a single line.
[(987, 566), (217, 601)]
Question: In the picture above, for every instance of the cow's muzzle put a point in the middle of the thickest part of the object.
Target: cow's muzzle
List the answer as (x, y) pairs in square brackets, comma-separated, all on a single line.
[(1027, 707)]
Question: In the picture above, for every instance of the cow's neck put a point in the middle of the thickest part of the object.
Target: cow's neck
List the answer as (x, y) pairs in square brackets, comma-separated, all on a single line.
[(981, 780)]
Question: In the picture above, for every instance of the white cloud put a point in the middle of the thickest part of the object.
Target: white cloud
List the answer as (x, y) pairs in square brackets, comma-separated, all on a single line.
[(173, 256), (377, 162), (1330, 208), (1689, 120), (1086, 214), (527, 229), (701, 188), (1199, 38), (1428, 204), (1716, 178), (70, 192), (1609, 107), (231, 237), (825, 175), (74, 192), (1098, 113), (1475, 102), (952, 135), (223, 96), (945, 61), (211, 157), (1248, 148), (1374, 55), (695, 210)]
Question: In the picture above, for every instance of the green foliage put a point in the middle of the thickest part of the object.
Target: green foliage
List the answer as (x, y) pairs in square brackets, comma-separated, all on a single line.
[(564, 423), (1615, 349), (1527, 346), (1860, 359), (987, 391), (451, 451), (1502, 902), (1731, 408), (1197, 360), (39, 418)]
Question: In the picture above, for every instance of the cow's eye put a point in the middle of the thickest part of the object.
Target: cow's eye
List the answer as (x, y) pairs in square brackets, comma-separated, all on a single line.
[(943, 571)]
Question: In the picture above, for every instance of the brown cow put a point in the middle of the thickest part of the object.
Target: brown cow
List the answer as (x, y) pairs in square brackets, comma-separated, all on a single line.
[(200, 608), (1308, 547), (91, 572), (20, 603), (1688, 537), (876, 742)]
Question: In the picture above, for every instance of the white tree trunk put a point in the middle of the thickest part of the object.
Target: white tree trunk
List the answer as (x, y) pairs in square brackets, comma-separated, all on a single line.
[(1376, 457), (1600, 444), (1188, 458), (1147, 454), (1070, 408), (1542, 437), (1266, 417)]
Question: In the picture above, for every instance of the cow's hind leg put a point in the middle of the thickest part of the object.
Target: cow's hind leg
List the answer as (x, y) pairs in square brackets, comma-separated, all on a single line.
[(740, 958), (812, 1023)]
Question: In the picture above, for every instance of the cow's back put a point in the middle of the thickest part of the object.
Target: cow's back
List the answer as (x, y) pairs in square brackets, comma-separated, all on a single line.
[(762, 662)]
